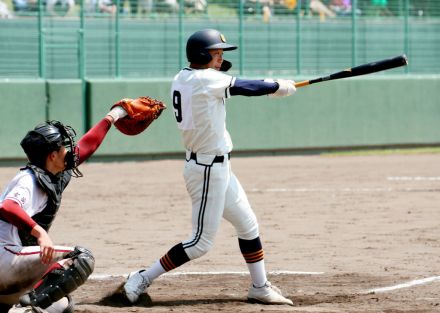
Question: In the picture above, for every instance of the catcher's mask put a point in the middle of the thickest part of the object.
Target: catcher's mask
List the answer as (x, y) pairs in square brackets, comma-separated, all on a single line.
[(48, 137), (201, 41)]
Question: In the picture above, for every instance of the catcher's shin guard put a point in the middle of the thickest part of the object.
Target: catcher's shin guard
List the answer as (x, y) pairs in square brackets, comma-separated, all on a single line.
[(61, 282)]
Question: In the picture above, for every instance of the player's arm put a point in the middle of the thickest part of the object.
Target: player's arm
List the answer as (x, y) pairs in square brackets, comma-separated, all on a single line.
[(14, 214), (91, 140), (47, 248), (250, 88), (89, 143)]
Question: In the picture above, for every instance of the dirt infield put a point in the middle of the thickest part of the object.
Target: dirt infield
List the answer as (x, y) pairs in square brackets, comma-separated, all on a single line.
[(353, 223)]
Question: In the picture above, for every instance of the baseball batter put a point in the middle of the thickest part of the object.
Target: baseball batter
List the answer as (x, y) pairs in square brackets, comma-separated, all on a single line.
[(198, 93), (33, 271)]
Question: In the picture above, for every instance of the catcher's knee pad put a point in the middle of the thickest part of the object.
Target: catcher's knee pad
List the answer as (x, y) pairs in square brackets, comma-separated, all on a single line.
[(59, 283)]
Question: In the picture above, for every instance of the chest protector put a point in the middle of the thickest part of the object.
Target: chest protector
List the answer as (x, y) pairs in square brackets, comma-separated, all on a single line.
[(54, 186)]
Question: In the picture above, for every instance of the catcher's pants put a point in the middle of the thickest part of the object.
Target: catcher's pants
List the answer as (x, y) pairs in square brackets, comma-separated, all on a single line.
[(21, 268), (215, 193)]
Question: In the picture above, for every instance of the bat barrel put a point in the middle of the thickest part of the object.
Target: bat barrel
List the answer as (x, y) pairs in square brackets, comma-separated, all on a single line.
[(364, 69), (378, 66)]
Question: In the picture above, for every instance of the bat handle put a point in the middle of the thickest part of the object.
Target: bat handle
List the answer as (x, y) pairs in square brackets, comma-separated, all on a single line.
[(302, 84)]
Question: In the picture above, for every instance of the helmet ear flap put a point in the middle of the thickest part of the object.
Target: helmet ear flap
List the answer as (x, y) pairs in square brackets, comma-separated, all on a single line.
[(201, 56), (226, 65)]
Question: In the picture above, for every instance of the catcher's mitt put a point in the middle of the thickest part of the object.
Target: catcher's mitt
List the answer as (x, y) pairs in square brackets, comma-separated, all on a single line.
[(141, 112)]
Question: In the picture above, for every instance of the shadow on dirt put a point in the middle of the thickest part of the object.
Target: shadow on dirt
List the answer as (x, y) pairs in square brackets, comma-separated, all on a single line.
[(319, 298), (117, 299)]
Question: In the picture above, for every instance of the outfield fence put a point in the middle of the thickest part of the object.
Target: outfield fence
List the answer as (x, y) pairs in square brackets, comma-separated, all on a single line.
[(146, 38)]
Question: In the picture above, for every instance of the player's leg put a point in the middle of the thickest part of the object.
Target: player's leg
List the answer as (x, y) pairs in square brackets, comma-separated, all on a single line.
[(240, 214), (52, 291), (64, 305), (206, 186), (21, 268)]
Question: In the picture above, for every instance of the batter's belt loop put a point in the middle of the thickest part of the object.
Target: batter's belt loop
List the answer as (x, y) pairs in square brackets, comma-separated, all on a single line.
[(217, 159)]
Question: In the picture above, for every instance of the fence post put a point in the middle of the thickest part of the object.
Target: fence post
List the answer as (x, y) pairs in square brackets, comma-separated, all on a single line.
[(406, 35), (298, 37), (117, 41), (240, 37), (181, 40), (82, 68), (41, 42), (307, 8), (353, 33)]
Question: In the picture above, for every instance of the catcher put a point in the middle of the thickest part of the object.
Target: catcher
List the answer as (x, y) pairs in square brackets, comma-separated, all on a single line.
[(35, 274)]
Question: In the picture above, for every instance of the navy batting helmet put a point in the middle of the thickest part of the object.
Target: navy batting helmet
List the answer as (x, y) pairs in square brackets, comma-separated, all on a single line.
[(201, 41), (48, 137)]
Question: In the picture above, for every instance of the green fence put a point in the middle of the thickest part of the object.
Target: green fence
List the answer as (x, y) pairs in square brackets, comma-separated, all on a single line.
[(71, 63), (146, 38), (360, 112)]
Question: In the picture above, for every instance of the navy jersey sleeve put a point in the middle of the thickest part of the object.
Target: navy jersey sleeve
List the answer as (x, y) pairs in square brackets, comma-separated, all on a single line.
[(246, 87)]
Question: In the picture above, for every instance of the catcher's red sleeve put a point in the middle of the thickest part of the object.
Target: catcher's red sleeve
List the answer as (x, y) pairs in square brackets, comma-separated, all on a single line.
[(91, 140), (13, 213)]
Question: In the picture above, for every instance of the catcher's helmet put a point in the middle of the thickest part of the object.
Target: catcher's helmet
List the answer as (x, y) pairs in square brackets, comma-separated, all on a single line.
[(201, 41), (48, 137)]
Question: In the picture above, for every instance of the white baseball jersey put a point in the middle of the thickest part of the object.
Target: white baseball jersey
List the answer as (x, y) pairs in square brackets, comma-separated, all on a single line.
[(21, 267), (24, 190), (199, 106)]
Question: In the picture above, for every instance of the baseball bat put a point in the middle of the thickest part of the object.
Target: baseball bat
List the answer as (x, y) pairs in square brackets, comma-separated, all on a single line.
[(363, 69)]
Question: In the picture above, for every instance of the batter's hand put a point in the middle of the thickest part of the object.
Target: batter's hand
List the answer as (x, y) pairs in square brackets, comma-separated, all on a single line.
[(286, 88), (46, 245)]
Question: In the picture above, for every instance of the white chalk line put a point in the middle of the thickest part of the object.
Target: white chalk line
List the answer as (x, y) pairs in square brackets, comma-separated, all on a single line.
[(414, 178), (360, 190), (103, 277), (178, 274), (404, 285), (351, 190)]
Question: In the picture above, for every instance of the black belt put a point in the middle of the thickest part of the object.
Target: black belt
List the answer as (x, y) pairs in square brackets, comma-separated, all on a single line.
[(217, 159)]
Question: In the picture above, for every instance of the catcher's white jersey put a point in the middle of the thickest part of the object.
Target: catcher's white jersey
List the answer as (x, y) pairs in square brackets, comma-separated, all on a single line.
[(21, 267), (199, 106), (24, 190)]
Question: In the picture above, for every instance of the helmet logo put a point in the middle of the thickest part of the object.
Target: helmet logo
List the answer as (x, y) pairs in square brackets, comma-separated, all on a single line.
[(222, 37)]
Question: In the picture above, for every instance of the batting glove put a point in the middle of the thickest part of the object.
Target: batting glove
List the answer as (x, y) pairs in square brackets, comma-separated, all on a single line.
[(286, 88)]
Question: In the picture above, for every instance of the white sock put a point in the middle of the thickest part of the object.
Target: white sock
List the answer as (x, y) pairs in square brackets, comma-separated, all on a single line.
[(258, 273), (154, 271)]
